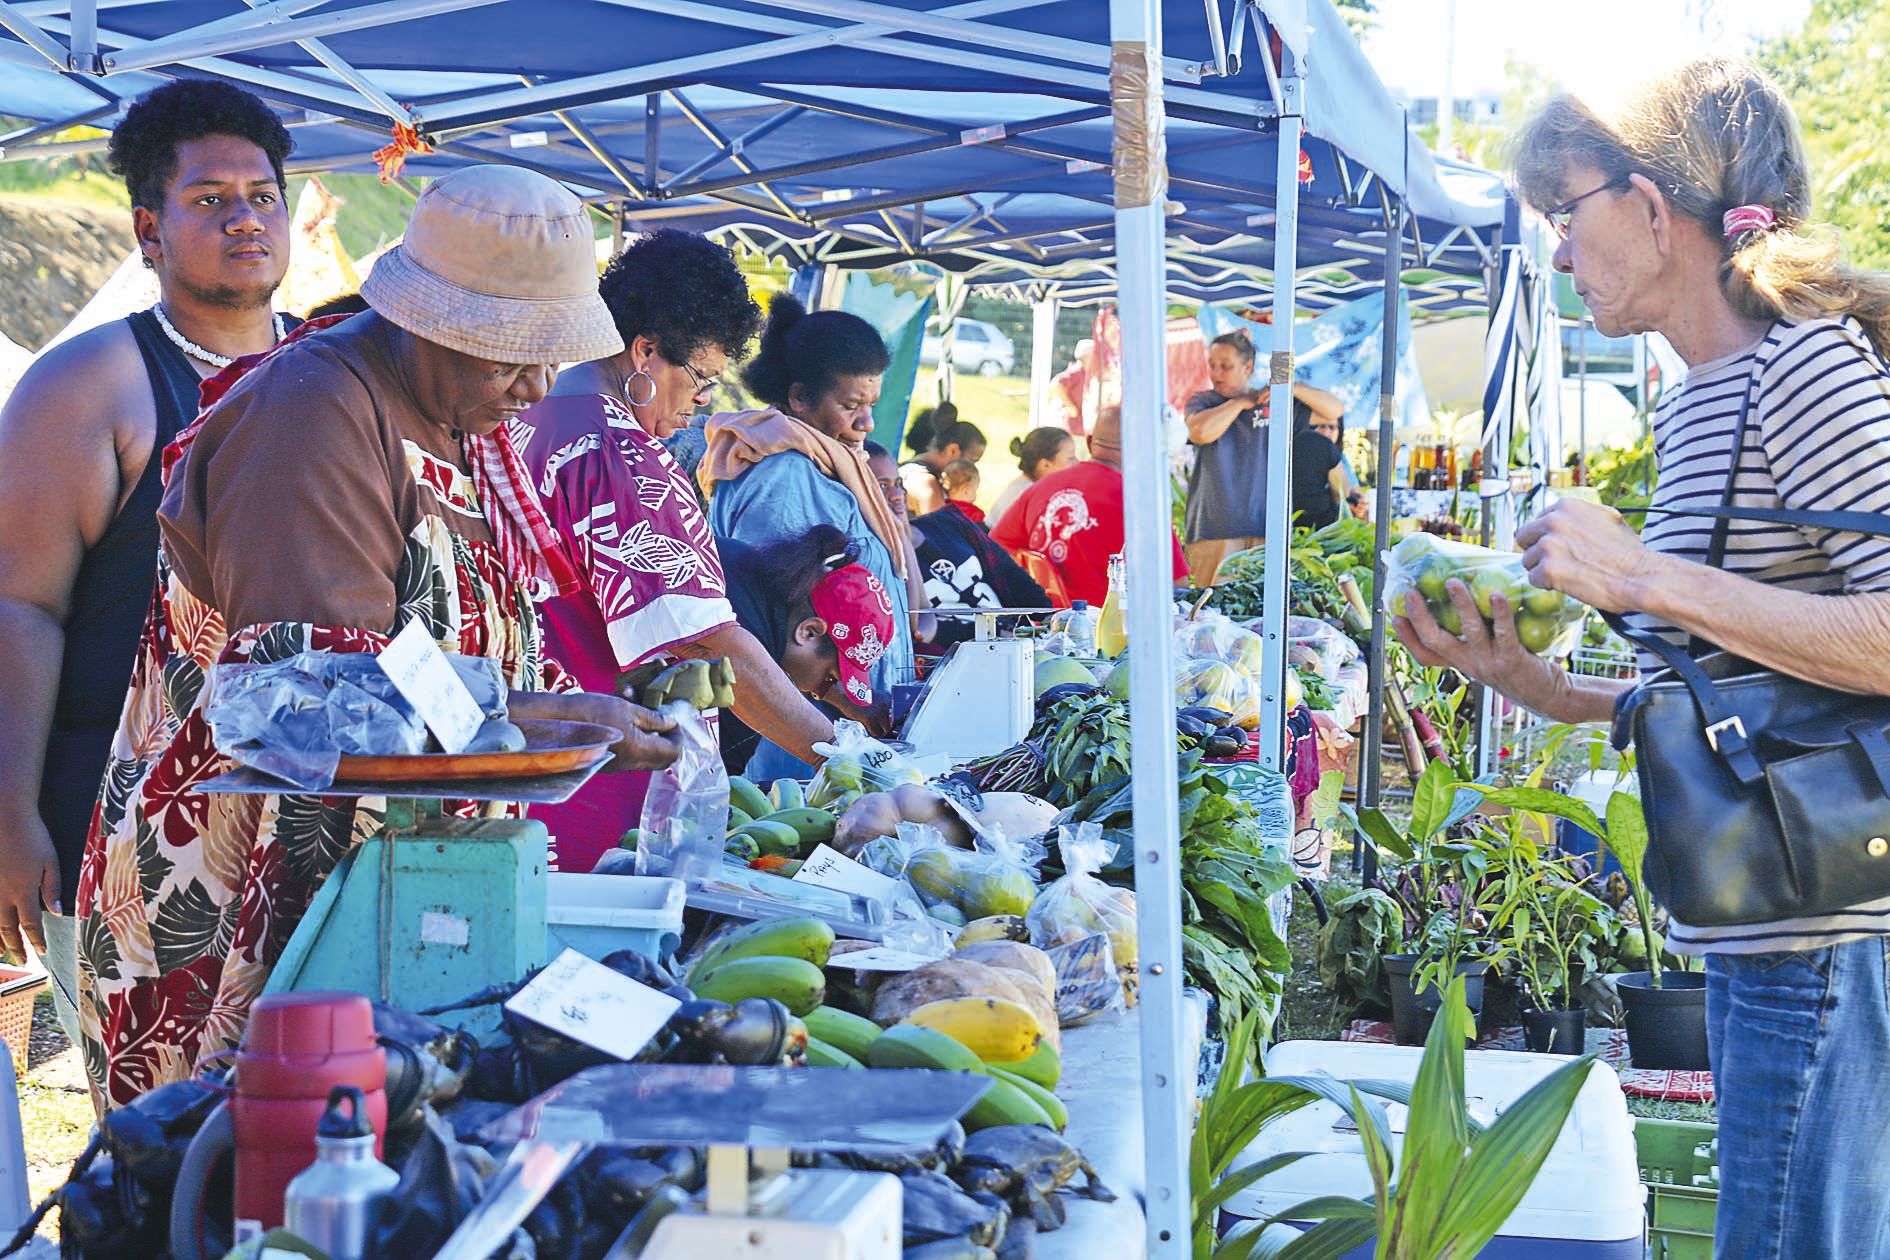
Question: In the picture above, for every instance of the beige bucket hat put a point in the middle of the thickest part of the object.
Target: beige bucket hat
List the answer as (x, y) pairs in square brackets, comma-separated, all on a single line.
[(498, 262)]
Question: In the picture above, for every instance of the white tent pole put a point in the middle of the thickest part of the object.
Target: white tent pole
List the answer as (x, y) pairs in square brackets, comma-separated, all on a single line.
[(1167, 1077), (1279, 514), (1043, 336)]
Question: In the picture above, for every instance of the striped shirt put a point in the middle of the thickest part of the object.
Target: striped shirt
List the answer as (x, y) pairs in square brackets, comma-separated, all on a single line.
[(1817, 439)]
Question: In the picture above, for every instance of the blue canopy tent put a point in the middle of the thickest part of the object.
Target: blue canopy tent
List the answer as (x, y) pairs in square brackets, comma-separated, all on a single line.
[(1025, 142)]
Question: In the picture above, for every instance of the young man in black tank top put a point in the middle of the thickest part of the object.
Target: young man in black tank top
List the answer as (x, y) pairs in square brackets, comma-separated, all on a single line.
[(81, 447)]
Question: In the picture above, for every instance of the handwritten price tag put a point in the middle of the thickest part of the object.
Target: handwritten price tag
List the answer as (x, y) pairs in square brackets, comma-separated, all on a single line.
[(422, 674), (588, 1002)]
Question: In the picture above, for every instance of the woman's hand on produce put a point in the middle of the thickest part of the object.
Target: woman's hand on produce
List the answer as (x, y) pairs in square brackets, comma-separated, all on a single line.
[(649, 740), (1587, 551), (1491, 653)]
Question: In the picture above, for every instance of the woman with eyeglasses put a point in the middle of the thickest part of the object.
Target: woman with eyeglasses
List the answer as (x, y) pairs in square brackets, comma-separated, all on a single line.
[(774, 474), (1688, 213), (653, 586)]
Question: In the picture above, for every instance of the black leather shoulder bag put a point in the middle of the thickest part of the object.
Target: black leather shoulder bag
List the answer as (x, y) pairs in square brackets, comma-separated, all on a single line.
[(1767, 797)]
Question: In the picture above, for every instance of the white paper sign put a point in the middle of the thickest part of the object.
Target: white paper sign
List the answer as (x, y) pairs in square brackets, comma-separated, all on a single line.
[(880, 958), (421, 673), (827, 867), (588, 1002)]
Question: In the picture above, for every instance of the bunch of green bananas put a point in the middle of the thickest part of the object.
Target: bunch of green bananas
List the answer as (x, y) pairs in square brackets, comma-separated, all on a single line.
[(700, 683)]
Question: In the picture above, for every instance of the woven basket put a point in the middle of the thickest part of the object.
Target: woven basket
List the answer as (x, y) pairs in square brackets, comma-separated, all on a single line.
[(19, 986)]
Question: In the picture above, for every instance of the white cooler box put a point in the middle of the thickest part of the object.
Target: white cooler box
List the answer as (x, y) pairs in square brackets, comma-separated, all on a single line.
[(1587, 1203)]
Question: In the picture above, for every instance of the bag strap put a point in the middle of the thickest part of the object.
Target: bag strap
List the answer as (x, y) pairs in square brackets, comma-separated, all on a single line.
[(1725, 730), (1716, 550)]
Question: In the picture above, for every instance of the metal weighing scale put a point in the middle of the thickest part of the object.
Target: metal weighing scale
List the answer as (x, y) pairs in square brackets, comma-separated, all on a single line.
[(755, 1206), (430, 909), (980, 698)]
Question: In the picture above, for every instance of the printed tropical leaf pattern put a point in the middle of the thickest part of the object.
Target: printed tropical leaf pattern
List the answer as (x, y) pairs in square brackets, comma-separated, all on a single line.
[(187, 900)]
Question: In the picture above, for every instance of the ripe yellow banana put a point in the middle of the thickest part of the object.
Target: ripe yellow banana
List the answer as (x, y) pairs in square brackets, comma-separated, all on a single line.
[(995, 927), (995, 1029)]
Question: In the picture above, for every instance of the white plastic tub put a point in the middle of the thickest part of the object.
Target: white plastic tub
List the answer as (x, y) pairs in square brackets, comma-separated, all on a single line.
[(1587, 1203), (601, 914)]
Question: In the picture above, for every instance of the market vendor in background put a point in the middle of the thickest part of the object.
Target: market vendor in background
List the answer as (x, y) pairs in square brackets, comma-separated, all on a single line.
[(1687, 213), (818, 613), (81, 445), (629, 520), (354, 481), (948, 442), (1072, 520), (774, 474), (1318, 465), (1227, 487), (1039, 452)]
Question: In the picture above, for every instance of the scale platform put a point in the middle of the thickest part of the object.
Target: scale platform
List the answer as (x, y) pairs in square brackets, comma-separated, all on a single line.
[(980, 698)]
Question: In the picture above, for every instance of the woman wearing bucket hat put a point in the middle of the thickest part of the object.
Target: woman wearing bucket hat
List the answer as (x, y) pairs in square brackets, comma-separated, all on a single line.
[(354, 480), (653, 585)]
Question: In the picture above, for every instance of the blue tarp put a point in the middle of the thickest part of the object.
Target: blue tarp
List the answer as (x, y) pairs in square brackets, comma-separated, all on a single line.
[(985, 148)]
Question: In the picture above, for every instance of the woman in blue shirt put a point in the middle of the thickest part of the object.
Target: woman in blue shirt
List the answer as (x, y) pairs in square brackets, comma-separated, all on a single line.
[(773, 475)]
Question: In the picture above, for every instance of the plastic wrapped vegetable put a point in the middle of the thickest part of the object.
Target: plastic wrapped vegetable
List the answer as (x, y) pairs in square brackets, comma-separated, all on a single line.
[(856, 764), (1548, 623), (1216, 638), (1318, 646), (685, 814), (993, 879), (1214, 684), (1080, 905)]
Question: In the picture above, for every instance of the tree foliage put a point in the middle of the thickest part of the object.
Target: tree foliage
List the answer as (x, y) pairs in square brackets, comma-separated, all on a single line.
[(1359, 15), (1836, 70)]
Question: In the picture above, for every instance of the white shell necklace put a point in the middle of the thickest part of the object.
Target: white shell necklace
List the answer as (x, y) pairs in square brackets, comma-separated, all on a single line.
[(196, 351)]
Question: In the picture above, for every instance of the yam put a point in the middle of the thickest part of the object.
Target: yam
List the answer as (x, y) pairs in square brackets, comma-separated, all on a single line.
[(1014, 956), (950, 978), (871, 816)]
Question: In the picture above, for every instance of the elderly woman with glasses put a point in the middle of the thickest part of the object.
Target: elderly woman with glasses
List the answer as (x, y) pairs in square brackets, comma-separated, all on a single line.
[(653, 585), (1688, 213)]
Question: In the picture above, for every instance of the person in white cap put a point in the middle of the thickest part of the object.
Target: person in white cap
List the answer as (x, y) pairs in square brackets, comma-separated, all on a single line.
[(355, 480)]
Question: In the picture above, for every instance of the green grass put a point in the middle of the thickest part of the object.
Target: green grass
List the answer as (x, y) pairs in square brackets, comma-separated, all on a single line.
[(999, 405)]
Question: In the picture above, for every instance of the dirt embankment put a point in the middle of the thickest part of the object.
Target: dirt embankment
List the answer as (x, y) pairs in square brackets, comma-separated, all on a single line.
[(53, 258)]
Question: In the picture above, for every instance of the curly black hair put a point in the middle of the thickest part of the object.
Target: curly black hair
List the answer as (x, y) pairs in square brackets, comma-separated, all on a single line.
[(144, 146), (812, 351), (682, 291)]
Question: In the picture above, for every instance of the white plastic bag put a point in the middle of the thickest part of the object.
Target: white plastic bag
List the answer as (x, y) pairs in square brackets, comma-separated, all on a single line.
[(1548, 623), (1081, 905), (856, 764), (685, 814)]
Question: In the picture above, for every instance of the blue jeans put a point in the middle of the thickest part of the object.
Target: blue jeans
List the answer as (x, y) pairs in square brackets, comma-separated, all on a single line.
[(1800, 1044)]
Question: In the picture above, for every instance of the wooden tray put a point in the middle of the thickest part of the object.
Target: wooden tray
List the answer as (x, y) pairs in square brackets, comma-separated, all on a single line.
[(550, 748)]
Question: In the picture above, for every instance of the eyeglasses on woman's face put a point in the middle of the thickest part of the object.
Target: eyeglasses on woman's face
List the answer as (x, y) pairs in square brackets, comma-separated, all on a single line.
[(705, 385), (1559, 217)]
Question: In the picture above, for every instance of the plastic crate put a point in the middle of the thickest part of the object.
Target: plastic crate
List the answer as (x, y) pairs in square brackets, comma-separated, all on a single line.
[(19, 987), (599, 914), (1679, 1163)]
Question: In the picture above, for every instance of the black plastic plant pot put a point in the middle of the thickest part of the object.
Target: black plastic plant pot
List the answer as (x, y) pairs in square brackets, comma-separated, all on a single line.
[(1666, 1027), (1555, 1032), (1412, 1011)]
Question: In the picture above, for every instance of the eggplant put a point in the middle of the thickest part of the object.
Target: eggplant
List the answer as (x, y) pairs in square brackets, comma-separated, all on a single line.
[(1063, 691), (1208, 714)]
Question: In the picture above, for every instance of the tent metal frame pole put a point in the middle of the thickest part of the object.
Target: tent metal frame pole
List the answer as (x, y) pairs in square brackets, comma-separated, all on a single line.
[(264, 31), (1371, 782), (29, 32), (1166, 1074), (1279, 513), (734, 147), (701, 123), (1043, 336)]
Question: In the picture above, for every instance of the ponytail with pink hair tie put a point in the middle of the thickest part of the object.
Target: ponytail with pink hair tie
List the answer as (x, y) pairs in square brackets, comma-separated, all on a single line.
[(1742, 219)]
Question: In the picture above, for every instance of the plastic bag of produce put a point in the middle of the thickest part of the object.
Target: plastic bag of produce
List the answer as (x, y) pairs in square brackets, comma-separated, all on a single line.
[(856, 764), (994, 878), (1318, 646), (1080, 905), (685, 814), (1547, 622), (1214, 684), (1216, 638), (1088, 984)]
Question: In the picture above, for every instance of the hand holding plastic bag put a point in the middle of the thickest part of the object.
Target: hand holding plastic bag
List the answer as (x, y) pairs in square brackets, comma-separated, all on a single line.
[(1080, 905), (685, 814), (1548, 623)]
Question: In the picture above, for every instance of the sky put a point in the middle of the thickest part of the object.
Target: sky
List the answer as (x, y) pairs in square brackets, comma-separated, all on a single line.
[(1596, 48)]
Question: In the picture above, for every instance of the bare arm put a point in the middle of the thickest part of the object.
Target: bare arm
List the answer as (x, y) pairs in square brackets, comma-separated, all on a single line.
[(1208, 425), (764, 698), (649, 739), (1336, 479), (60, 486)]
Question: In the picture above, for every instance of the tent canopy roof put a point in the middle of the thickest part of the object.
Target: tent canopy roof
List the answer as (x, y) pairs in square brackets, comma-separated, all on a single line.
[(976, 134)]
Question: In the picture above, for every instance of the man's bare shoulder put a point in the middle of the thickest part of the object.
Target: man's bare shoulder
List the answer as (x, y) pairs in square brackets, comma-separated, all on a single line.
[(92, 381)]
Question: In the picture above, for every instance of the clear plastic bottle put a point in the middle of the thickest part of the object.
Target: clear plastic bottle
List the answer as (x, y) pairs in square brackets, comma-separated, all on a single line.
[(1112, 629), (1082, 628)]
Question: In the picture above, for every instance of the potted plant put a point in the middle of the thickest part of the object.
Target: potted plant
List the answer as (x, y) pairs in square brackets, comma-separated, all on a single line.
[(1434, 886), (1665, 1009), (1450, 1188)]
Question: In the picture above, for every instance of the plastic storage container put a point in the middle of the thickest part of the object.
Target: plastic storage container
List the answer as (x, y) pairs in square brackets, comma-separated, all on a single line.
[(1679, 1162), (601, 914), (1585, 1205)]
